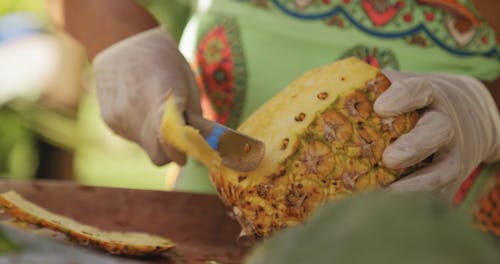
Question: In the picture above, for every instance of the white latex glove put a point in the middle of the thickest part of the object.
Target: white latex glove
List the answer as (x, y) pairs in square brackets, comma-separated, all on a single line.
[(134, 77), (461, 125)]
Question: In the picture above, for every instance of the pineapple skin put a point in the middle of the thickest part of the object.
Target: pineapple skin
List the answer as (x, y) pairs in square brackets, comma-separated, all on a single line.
[(323, 142), (117, 243)]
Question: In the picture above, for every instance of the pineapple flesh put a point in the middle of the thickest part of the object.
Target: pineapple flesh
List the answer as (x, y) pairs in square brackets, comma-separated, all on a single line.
[(323, 142), (118, 243)]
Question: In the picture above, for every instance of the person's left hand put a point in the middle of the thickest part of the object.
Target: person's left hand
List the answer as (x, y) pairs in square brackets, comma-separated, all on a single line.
[(460, 126)]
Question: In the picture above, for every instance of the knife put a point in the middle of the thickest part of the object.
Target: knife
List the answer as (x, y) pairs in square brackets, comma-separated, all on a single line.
[(237, 151)]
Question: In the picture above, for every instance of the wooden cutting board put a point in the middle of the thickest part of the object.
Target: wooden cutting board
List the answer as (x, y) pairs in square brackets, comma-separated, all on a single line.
[(198, 224)]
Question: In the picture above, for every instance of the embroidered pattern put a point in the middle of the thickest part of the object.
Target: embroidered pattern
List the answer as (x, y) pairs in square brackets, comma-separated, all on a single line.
[(466, 185), (419, 39), (221, 72), (372, 55), (453, 25), (487, 211)]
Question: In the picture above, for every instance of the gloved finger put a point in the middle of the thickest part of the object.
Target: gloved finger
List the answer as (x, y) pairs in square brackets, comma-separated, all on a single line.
[(104, 88), (161, 153), (432, 178), (151, 138), (193, 98), (174, 155), (157, 155), (180, 79), (185, 91), (404, 96), (395, 75), (433, 131)]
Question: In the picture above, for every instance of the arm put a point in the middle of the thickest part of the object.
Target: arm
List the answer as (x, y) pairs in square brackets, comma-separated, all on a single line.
[(490, 10), (98, 24), (494, 88), (137, 66)]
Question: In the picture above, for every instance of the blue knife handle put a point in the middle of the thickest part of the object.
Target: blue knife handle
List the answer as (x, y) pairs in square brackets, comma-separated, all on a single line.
[(213, 138)]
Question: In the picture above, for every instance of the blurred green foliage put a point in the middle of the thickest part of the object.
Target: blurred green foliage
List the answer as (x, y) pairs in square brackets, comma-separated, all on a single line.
[(105, 159), (7, 246), (33, 6), (100, 158), (18, 157)]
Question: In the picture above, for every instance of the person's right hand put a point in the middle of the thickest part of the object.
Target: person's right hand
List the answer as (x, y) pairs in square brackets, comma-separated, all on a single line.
[(460, 127), (133, 77)]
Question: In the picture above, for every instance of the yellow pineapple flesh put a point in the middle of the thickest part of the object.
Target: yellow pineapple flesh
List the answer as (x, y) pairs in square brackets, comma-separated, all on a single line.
[(323, 142), (118, 243)]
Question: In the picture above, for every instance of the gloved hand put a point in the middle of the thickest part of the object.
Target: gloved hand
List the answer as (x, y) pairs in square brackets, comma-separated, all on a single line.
[(133, 77), (461, 125)]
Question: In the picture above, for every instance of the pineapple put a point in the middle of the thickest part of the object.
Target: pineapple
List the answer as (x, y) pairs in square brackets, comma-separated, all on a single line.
[(323, 142), (118, 243)]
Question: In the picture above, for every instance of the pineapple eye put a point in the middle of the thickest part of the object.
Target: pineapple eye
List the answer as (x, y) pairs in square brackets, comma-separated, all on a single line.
[(242, 178), (300, 117), (284, 143), (322, 95)]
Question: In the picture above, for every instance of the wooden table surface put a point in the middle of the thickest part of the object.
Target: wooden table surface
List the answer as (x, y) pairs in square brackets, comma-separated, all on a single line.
[(198, 224)]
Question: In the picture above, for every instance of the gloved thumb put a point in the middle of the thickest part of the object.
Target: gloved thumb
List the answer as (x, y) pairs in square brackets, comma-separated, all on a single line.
[(404, 96)]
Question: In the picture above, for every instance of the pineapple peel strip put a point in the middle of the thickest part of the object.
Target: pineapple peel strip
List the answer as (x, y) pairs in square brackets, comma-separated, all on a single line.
[(185, 138), (122, 243)]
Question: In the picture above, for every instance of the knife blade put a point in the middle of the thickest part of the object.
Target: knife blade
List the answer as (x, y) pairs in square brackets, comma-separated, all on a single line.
[(237, 151)]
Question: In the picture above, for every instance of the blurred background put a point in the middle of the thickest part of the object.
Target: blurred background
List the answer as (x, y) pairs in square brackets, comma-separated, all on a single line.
[(50, 126)]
